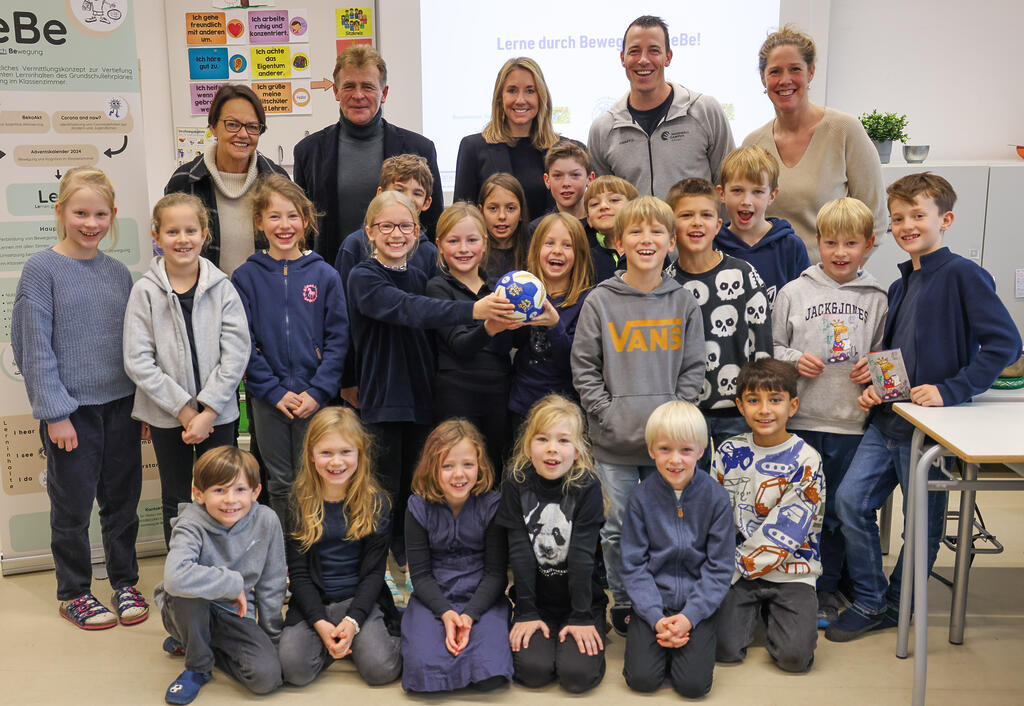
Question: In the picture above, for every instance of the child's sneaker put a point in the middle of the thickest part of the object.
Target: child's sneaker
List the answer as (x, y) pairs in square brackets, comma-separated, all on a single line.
[(87, 613), (828, 609), (131, 607), (620, 618), (185, 688), (851, 625), (173, 647)]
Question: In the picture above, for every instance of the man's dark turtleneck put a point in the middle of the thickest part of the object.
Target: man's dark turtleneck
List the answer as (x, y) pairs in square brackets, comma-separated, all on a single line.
[(360, 155)]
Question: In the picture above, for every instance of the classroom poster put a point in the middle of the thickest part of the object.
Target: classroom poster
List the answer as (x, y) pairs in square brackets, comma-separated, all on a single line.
[(353, 25), (267, 48), (69, 96)]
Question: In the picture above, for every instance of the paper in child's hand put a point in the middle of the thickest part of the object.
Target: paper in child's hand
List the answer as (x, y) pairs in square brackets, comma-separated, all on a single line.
[(889, 375)]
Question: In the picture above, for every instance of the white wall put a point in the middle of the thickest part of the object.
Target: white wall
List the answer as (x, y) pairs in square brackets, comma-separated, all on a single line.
[(953, 67), (151, 40)]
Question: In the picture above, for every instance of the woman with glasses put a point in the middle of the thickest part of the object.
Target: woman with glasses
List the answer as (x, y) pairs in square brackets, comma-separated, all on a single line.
[(225, 173)]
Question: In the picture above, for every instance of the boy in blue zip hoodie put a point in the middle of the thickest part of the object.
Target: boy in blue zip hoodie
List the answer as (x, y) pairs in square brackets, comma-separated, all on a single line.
[(298, 323), (956, 337), (749, 183), (224, 579), (677, 558)]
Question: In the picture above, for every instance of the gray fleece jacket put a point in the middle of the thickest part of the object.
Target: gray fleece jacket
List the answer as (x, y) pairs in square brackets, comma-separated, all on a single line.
[(632, 352), (210, 561), (156, 350), (691, 141), (839, 323)]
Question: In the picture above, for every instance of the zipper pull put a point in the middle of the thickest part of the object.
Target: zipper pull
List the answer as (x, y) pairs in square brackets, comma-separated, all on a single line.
[(680, 511), (286, 269)]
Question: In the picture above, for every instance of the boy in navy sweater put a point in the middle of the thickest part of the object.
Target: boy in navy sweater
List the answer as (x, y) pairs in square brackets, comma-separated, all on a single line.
[(749, 183), (408, 174), (956, 337), (677, 558)]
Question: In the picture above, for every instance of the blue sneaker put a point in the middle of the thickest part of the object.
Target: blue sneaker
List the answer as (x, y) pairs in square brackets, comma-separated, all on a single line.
[(185, 688), (173, 647), (850, 625)]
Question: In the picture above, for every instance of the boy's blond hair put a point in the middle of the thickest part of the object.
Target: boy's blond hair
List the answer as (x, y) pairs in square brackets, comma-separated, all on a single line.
[(845, 216), (754, 164), (676, 421), (927, 184), (694, 186), (403, 167), (644, 209), (609, 184), (567, 149)]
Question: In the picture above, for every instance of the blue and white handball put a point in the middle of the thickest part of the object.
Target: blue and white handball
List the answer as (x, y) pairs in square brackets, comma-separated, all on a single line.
[(525, 291)]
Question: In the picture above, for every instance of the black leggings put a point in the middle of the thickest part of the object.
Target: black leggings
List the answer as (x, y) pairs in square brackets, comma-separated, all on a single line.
[(175, 459)]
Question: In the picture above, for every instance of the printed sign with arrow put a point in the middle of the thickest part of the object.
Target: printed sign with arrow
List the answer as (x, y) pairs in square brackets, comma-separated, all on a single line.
[(111, 152), (324, 83)]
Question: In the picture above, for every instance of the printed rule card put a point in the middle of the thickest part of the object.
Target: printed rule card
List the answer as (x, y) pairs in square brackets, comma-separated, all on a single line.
[(889, 375)]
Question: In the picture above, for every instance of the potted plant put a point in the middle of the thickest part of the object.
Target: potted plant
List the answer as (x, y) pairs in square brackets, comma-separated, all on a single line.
[(883, 128)]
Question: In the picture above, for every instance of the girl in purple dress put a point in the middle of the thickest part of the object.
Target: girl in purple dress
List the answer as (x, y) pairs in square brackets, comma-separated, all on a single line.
[(455, 628)]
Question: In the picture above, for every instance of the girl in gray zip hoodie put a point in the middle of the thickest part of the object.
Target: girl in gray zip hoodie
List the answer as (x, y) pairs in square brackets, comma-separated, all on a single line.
[(186, 346)]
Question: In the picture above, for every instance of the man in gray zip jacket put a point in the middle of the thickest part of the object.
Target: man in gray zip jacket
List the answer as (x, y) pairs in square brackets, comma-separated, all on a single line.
[(659, 132)]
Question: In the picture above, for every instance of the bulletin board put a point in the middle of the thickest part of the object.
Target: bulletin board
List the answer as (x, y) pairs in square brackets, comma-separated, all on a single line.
[(284, 51)]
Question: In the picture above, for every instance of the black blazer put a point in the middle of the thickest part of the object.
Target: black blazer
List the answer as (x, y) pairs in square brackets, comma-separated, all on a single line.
[(316, 171), (479, 159)]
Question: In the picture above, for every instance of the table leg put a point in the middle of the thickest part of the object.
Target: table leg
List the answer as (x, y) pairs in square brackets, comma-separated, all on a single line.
[(962, 569), (903, 627), (920, 503)]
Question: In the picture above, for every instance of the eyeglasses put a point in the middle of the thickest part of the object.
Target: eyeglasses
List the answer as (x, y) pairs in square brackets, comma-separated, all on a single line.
[(388, 228), (234, 126)]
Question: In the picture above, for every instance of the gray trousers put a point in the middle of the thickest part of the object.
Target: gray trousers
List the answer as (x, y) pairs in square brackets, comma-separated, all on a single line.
[(280, 441), (212, 635), (376, 653), (791, 630)]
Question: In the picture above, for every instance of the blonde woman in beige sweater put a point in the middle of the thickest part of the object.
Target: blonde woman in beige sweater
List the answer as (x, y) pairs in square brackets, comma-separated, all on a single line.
[(823, 154)]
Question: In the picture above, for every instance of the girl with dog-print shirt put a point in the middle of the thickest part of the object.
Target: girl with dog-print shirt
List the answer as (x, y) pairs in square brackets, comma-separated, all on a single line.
[(552, 506)]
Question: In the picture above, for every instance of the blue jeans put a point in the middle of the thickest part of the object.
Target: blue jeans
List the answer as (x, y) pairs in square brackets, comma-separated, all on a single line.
[(837, 452), (879, 464), (618, 482)]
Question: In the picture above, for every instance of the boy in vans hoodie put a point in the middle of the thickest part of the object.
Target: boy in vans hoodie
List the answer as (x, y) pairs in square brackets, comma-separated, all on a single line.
[(639, 342)]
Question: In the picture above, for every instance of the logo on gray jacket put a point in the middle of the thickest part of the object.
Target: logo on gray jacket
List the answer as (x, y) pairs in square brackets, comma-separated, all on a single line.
[(673, 135)]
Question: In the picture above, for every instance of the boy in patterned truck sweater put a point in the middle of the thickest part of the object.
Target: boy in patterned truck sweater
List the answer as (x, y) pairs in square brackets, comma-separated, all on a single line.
[(777, 490), (733, 305)]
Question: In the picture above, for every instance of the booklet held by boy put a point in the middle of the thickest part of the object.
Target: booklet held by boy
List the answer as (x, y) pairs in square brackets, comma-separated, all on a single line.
[(889, 375)]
